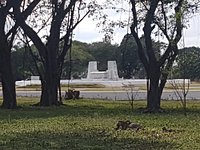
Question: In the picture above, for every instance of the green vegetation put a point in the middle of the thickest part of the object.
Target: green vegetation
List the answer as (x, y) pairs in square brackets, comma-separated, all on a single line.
[(188, 64), (125, 54), (89, 124), (82, 53)]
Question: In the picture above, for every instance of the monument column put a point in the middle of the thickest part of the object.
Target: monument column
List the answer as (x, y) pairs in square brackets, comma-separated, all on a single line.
[(112, 70), (92, 67)]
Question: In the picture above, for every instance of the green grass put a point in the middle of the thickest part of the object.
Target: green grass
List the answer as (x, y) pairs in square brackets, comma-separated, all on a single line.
[(89, 125)]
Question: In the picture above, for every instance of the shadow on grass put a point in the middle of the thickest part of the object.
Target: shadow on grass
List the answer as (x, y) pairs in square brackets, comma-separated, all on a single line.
[(87, 108), (193, 107), (86, 140), (56, 111), (194, 111)]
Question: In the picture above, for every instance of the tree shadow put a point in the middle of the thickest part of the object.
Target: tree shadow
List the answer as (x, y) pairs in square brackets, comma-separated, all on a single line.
[(83, 140), (78, 109)]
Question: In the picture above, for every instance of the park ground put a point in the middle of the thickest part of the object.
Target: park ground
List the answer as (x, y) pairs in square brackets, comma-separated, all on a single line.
[(90, 125), (108, 86)]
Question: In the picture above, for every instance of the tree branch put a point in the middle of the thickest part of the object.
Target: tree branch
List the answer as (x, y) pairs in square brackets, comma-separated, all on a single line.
[(179, 26), (165, 17), (148, 30), (165, 55), (134, 26), (20, 19), (170, 61)]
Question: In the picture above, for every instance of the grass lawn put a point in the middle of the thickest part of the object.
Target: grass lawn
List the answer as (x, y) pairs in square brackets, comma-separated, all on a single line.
[(90, 125)]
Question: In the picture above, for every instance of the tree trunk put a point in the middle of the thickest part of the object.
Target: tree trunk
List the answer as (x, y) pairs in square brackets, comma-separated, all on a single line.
[(50, 81), (154, 98), (49, 94), (8, 83)]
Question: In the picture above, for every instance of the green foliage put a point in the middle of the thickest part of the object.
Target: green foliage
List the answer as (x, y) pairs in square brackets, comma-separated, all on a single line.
[(126, 56), (103, 52), (82, 53), (79, 60), (130, 63), (188, 63), (89, 124), (22, 63)]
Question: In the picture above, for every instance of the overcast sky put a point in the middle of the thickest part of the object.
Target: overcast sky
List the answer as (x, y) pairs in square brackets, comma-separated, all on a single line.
[(87, 32)]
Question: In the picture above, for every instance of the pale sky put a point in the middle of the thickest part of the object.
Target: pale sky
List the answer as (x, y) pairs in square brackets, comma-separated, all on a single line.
[(192, 34), (88, 32)]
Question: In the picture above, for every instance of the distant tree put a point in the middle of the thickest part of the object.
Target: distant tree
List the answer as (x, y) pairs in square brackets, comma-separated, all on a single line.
[(103, 52), (79, 61), (130, 62), (23, 65), (59, 19), (188, 64)]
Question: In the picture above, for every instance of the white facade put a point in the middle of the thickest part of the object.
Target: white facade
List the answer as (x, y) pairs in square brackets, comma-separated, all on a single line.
[(110, 74), (112, 70), (35, 78)]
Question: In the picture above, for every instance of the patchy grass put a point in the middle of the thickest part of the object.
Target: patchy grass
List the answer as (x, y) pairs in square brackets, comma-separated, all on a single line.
[(89, 125)]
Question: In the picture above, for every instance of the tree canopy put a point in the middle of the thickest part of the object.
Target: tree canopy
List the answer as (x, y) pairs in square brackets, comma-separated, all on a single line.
[(188, 64)]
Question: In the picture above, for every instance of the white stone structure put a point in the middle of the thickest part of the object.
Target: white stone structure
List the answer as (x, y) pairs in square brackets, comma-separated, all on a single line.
[(112, 70), (35, 78), (110, 74)]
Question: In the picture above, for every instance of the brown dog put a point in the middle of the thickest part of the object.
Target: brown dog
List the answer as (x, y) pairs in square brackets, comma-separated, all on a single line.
[(124, 125)]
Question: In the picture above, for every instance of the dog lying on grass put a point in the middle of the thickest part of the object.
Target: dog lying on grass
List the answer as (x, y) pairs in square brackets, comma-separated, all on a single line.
[(124, 125)]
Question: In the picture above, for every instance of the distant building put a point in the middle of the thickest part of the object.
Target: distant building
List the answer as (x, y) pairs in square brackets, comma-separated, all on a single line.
[(110, 74)]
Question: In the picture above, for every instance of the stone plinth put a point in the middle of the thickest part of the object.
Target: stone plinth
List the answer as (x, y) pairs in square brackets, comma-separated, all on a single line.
[(110, 74)]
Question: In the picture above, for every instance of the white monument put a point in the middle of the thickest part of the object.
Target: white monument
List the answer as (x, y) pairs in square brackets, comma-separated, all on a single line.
[(110, 74), (35, 77)]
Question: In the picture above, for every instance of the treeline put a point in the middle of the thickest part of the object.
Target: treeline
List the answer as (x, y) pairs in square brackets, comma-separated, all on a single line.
[(187, 64), (124, 54), (129, 65)]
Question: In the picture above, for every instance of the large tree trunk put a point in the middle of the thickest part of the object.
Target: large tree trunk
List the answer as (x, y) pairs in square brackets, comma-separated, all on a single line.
[(49, 95), (154, 96), (50, 81), (49, 89), (8, 83)]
